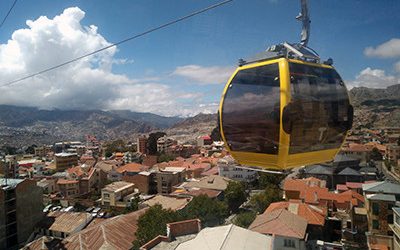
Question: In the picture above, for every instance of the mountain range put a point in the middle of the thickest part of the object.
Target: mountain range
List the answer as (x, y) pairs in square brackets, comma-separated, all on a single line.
[(27, 125)]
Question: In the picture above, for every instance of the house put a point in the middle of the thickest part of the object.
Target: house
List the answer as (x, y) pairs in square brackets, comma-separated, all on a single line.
[(227, 167), (131, 169), (109, 168), (167, 202), (396, 228), (381, 197), (213, 182), (117, 194), (68, 188), (288, 229), (145, 181), (185, 235), (48, 185), (204, 140), (114, 233), (314, 215), (163, 143), (348, 175), (293, 188), (316, 194), (393, 152), (322, 172), (65, 160), (169, 177), (62, 224), (21, 205)]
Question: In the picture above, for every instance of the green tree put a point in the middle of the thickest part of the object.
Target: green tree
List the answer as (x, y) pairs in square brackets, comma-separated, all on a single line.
[(153, 223), (211, 212), (134, 204), (165, 158), (215, 134), (31, 149), (108, 154), (244, 219), (376, 155), (235, 195), (152, 142), (267, 179), (261, 201)]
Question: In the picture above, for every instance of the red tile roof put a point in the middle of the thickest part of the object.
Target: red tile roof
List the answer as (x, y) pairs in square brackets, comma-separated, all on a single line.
[(314, 215), (341, 187), (211, 171), (77, 171), (132, 167), (354, 185)]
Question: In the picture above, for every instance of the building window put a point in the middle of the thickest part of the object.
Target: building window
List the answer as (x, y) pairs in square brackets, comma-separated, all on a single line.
[(289, 243), (375, 208), (397, 219), (375, 224), (390, 219)]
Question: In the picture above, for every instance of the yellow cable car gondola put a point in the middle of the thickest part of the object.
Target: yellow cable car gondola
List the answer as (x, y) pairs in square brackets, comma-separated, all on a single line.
[(285, 108)]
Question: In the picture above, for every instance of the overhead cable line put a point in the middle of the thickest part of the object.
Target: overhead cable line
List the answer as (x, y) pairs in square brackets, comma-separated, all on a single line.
[(8, 13), (120, 42)]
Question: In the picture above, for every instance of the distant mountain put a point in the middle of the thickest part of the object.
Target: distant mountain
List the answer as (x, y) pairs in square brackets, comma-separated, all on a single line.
[(376, 107), (189, 129), (26, 125), (368, 96), (156, 120)]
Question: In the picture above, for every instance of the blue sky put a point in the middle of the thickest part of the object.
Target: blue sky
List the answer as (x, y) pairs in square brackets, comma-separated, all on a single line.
[(181, 70)]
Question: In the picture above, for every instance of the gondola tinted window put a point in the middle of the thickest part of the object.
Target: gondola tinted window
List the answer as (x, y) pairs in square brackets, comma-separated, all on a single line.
[(251, 110), (320, 109)]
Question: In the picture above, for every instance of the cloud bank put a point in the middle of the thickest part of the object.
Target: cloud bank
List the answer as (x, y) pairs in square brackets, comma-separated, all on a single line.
[(204, 75), (88, 83)]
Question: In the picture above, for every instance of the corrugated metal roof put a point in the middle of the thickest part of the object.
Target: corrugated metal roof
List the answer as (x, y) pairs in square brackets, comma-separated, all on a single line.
[(382, 187), (114, 233)]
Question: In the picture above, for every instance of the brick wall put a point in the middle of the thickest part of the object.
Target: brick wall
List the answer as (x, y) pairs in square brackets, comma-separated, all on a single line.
[(183, 228)]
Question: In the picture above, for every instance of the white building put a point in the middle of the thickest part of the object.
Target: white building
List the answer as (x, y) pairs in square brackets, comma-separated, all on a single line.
[(227, 167), (164, 142)]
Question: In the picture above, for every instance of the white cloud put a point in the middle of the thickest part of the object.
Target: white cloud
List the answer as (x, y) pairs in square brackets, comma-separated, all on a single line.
[(397, 66), (85, 84), (204, 75), (373, 78), (389, 49)]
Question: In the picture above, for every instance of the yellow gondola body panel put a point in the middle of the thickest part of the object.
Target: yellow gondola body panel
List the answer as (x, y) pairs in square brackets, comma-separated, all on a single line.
[(282, 113)]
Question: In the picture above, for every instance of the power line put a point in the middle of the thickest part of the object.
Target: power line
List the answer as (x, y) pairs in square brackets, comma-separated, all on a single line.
[(120, 42), (8, 13)]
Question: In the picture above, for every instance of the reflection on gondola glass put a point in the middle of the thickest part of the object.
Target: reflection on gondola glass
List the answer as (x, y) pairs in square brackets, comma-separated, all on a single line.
[(319, 109), (251, 110)]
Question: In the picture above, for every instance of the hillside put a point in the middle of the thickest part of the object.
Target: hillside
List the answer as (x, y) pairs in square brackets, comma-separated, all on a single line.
[(376, 107), (25, 125), (189, 129)]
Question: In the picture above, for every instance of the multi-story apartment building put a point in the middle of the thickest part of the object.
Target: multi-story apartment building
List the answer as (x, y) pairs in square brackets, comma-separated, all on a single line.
[(393, 152), (142, 144), (116, 194), (381, 197), (43, 150), (163, 143), (396, 228), (20, 210), (228, 168), (169, 177), (65, 160)]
